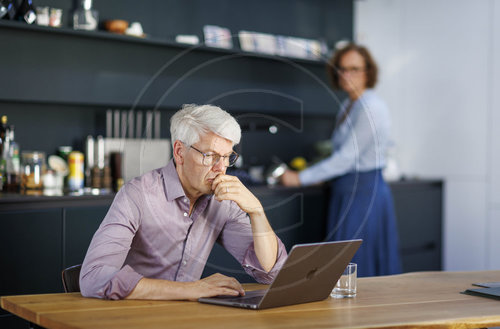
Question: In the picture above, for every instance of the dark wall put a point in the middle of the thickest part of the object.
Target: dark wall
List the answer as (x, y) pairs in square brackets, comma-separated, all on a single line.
[(56, 84)]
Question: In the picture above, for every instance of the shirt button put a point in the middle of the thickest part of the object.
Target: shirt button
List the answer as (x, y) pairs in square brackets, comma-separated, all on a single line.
[(185, 200), (185, 214), (184, 262)]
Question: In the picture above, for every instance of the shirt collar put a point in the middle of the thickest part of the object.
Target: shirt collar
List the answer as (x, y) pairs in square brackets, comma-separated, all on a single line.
[(173, 186)]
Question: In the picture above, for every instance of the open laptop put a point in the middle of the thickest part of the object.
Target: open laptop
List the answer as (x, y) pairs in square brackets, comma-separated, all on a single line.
[(309, 274)]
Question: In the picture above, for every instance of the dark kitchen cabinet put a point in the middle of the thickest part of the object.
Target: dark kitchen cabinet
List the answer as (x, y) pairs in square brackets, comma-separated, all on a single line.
[(31, 252), (30, 257), (40, 236), (419, 212), (80, 224)]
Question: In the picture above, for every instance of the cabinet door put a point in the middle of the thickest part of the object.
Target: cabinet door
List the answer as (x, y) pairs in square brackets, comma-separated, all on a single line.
[(419, 218), (31, 252), (80, 224)]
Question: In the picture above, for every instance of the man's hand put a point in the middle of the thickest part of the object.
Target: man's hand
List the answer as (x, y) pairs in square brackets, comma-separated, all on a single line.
[(216, 285), (228, 187)]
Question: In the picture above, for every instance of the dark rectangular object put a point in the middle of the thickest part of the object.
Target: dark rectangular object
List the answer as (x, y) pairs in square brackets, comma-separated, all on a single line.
[(484, 292)]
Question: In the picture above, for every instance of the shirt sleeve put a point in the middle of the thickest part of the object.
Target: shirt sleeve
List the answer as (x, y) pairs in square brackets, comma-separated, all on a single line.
[(103, 274), (237, 238), (361, 143)]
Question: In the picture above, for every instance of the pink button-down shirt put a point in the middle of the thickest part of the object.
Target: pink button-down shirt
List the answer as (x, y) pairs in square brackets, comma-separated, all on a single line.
[(148, 232)]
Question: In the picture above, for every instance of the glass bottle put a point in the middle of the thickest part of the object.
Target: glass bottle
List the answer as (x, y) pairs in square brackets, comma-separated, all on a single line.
[(13, 164), (85, 18), (3, 151), (3, 132)]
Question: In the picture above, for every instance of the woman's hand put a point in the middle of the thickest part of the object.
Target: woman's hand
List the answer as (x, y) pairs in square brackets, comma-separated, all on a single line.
[(290, 178)]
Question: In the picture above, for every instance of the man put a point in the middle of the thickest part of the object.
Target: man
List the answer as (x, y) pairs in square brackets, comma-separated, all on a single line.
[(159, 231)]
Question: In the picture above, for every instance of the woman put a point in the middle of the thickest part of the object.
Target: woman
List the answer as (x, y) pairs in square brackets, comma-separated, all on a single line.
[(361, 202)]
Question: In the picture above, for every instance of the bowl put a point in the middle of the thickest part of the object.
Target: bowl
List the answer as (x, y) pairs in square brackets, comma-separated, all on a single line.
[(118, 26)]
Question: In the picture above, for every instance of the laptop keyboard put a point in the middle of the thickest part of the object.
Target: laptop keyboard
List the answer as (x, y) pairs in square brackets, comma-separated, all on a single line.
[(249, 300)]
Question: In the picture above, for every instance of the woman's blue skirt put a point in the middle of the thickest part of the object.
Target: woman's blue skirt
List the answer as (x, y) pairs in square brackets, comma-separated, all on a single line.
[(361, 207)]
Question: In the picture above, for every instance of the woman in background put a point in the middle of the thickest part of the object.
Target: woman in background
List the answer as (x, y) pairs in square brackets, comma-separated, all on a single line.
[(361, 204)]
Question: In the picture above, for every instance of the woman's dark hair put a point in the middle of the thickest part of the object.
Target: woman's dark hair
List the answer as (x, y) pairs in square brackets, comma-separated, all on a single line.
[(370, 65)]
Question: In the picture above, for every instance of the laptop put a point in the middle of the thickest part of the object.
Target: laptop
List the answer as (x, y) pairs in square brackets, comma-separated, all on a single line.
[(308, 275)]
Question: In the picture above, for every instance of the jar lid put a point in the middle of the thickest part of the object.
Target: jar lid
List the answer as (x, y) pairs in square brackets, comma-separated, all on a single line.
[(35, 155), (65, 149), (58, 164)]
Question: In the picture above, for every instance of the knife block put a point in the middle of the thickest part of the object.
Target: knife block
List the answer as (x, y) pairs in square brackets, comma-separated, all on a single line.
[(139, 155)]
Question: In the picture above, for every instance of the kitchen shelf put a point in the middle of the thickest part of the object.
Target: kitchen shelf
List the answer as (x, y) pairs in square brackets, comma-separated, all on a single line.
[(152, 41)]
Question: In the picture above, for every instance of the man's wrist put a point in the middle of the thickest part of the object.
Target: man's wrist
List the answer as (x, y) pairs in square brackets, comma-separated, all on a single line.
[(258, 212)]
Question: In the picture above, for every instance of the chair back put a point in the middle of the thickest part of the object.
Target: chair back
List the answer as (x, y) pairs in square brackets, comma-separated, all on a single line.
[(71, 278)]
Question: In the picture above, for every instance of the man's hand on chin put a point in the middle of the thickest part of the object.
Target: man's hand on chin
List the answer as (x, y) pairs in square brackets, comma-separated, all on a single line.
[(228, 187)]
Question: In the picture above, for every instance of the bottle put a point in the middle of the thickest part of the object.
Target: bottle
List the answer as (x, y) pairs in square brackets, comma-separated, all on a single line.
[(3, 132), (85, 18), (13, 164), (89, 160), (3, 151), (76, 171), (26, 12)]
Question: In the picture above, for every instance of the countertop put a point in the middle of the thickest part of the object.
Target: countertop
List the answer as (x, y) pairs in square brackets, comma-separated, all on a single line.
[(12, 201)]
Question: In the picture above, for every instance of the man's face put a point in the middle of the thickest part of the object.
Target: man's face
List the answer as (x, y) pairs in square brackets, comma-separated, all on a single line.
[(198, 178)]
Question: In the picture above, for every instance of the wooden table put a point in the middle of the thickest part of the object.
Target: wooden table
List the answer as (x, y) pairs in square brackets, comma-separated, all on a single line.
[(422, 300)]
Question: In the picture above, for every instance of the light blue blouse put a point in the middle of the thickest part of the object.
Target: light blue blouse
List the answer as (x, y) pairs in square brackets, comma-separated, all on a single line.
[(360, 143)]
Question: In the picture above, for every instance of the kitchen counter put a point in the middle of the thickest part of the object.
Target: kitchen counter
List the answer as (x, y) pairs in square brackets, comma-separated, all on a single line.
[(17, 201)]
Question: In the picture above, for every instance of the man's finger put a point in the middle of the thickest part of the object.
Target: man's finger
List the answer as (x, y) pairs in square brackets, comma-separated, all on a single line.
[(223, 178), (230, 283)]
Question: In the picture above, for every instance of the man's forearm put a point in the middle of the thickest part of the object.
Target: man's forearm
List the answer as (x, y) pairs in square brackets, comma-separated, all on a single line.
[(216, 284), (265, 243), (160, 289)]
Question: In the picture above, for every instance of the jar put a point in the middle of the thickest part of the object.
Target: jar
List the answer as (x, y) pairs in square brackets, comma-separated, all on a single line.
[(32, 169), (64, 151)]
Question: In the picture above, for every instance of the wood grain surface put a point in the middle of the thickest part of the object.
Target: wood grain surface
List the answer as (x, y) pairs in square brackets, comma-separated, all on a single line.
[(411, 300)]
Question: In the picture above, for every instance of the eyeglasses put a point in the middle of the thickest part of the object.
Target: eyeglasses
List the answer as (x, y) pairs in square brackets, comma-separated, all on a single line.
[(352, 69), (212, 159)]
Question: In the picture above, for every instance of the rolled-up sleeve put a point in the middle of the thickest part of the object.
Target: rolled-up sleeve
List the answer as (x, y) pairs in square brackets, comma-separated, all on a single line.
[(252, 265), (237, 239), (103, 274)]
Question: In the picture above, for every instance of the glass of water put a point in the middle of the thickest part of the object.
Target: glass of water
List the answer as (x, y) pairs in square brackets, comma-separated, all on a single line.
[(346, 285)]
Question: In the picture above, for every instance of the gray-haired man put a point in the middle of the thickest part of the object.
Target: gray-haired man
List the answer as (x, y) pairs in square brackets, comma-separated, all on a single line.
[(155, 240)]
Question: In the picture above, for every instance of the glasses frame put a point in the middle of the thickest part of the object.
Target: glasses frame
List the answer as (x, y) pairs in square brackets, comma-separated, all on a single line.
[(351, 70), (217, 158)]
